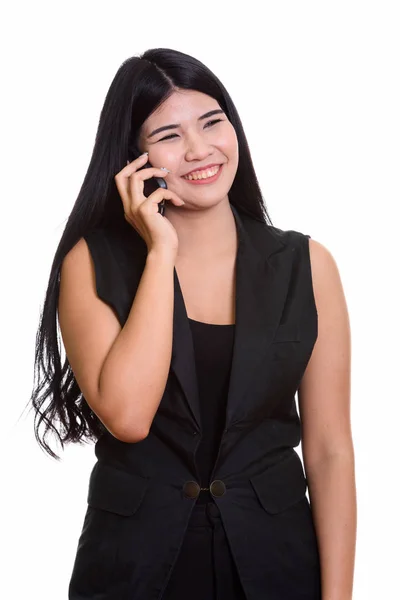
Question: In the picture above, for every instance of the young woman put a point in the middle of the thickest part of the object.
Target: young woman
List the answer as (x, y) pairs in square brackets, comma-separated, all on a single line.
[(188, 332)]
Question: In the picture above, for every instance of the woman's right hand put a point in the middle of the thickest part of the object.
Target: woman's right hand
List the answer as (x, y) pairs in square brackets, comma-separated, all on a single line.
[(141, 212)]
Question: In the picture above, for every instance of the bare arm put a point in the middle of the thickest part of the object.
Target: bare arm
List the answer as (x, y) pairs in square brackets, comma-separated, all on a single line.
[(324, 403), (122, 372), (135, 372)]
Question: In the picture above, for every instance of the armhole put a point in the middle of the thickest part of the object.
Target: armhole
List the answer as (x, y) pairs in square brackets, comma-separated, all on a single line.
[(106, 278), (306, 242)]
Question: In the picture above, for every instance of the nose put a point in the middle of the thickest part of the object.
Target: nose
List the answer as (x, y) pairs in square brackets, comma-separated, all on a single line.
[(197, 148)]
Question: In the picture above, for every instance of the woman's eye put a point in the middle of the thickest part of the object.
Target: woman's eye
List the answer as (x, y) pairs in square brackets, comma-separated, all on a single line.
[(168, 137), (214, 121)]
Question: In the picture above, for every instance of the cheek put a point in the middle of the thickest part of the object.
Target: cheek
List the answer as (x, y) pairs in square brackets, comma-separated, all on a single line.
[(164, 157), (228, 144)]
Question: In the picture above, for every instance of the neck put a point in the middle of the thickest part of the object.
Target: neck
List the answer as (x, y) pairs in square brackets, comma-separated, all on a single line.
[(204, 234)]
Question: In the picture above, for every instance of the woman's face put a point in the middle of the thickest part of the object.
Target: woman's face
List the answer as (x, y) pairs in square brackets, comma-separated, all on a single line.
[(192, 141)]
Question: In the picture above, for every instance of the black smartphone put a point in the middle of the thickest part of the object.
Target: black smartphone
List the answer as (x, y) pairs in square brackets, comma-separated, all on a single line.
[(152, 184)]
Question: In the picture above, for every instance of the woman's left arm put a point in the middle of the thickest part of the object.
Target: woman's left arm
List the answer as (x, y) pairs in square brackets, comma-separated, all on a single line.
[(327, 445)]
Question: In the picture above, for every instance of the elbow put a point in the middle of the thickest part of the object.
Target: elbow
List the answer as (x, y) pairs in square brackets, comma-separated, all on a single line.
[(128, 435), (120, 426), (132, 437)]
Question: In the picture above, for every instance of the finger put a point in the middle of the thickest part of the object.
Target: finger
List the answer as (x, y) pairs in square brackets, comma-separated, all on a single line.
[(162, 194), (149, 172), (136, 182), (125, 182), (132, 166)]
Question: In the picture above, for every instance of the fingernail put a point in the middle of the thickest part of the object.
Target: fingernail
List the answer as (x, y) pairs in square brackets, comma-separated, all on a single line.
[(165, 169), (144, 153)]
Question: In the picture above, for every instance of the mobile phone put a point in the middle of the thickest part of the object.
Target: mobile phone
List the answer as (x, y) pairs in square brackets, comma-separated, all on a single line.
[(152, 184)]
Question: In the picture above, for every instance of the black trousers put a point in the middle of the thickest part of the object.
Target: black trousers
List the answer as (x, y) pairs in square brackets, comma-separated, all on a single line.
[(205, 569)]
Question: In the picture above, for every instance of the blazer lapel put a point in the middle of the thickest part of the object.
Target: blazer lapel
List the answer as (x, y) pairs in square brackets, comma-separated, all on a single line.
[(261, 286), (183, 359)]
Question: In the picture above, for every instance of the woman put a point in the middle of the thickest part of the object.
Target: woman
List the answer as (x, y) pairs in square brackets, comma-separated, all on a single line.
[(188, 332)]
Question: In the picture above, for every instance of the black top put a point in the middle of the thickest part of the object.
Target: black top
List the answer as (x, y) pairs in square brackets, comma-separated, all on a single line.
[(213, 347)]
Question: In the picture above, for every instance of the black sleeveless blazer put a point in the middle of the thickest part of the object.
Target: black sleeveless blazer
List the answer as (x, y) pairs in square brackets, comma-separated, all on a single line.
[(141, 495)]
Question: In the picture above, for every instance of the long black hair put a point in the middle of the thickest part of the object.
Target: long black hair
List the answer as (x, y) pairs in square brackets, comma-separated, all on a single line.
[(140, 85)]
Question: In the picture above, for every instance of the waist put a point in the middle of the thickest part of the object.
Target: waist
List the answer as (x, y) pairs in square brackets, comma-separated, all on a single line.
[(205, 514)]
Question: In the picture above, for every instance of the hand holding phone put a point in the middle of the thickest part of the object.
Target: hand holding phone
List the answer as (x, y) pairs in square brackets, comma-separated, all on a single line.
[(141, 211), (152, 184)]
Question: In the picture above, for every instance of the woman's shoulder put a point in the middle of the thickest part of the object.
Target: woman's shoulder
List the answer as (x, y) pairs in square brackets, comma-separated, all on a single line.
[(318, 251)]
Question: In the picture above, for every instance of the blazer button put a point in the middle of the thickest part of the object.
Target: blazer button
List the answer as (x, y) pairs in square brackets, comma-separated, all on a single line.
[(217, 488), (191, 489)]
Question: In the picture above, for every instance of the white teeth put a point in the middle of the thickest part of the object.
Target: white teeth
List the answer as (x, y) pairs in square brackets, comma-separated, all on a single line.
[(202, 174)]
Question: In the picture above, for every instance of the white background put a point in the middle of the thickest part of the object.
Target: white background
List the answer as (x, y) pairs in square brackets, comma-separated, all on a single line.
[(317, 87)]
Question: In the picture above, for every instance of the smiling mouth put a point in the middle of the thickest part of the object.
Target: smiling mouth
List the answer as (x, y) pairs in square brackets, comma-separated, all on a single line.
[(203, 175)]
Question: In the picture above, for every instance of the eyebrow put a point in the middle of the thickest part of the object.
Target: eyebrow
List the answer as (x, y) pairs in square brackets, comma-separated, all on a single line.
[(176, 125)]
